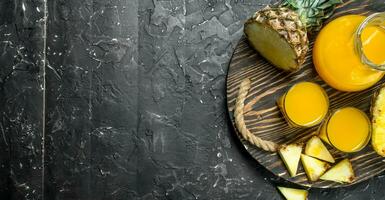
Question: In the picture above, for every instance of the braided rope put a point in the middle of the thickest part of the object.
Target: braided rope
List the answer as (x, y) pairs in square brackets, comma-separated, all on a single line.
[(240, 121)]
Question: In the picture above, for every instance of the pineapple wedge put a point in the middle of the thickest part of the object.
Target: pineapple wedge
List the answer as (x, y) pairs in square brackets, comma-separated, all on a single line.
[(315, 148), (290, 155), (378, 121), (342, 172), (293, 194), (314, 168)]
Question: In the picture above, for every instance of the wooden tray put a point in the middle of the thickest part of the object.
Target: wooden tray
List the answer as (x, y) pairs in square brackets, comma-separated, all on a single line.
[(264, 119)]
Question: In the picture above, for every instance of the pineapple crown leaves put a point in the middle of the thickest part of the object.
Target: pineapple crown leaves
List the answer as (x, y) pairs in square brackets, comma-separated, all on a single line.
[(312, 12)]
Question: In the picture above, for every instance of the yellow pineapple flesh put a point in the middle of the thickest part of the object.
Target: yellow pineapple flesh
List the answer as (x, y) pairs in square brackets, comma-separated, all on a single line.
[(342, 172), (378, 122), (315, 148), (293, 194), (290, 155), (314, 168)]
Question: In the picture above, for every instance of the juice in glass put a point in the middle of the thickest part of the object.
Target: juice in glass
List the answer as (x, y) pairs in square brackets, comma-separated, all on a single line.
[(349, 52), (305, 104), (347, 129)]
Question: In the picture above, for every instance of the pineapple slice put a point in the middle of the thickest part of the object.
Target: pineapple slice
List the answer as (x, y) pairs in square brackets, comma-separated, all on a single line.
[(314, 168), (293, 194), (315, 148), (290, 155), (342, 172), (378, 122)]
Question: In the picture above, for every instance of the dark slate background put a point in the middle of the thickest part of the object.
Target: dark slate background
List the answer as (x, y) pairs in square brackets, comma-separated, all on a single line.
[(125, 99)]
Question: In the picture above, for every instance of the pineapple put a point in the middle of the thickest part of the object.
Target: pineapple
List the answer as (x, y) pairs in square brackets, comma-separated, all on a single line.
[(378, 121), (315, 148), (341, 172), (290, 155), (314, 168), (280, 33), (293, 194)]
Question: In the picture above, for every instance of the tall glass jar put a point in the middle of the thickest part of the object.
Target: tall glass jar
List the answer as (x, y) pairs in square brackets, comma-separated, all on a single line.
[(349, 52), (377, 20)]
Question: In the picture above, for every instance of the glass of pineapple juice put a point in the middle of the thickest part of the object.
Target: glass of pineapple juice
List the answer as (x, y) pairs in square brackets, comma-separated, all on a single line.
[(305, 104), (347, 129), (349, 52)]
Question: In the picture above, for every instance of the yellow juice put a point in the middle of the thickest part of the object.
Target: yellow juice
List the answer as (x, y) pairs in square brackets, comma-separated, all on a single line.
[(347, 129), (304, 104), (336, 61)]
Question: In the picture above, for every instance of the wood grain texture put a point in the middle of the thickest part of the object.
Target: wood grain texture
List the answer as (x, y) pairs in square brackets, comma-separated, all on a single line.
[(262, 115)]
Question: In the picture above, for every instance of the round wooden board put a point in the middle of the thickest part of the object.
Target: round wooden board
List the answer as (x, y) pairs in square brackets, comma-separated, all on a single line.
[(264, 119)]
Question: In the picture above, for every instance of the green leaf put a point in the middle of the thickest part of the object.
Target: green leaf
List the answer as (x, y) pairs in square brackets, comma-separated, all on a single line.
[(312, 12)]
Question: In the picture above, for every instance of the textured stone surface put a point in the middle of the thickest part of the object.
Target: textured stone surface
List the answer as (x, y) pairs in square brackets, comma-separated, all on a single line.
[(135, 103), (21, 99)]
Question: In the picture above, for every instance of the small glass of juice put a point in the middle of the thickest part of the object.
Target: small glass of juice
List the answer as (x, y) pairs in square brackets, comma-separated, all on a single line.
[(347, 129), (305, 104)]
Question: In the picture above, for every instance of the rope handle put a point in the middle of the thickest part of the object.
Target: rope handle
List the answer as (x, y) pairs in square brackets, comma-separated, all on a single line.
[(240, 121)]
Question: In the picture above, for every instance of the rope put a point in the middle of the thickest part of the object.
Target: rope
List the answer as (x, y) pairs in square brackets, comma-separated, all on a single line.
[(240, 121)]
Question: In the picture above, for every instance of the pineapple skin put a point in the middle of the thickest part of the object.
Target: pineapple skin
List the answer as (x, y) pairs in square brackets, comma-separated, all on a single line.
[(288, 25)]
